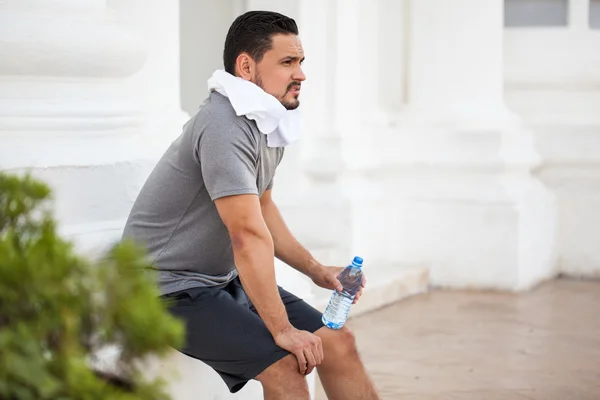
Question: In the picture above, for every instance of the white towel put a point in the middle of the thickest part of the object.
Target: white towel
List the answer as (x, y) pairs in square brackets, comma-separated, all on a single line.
[(281, 126)]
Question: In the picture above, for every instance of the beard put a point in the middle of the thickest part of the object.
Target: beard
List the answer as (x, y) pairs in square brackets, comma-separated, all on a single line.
[(288, 104)]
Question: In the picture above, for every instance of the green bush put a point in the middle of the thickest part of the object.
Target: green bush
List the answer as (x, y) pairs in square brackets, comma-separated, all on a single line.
[(58, 309)]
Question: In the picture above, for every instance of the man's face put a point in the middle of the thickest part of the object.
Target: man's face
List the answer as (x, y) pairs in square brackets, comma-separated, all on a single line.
[(279, 73)]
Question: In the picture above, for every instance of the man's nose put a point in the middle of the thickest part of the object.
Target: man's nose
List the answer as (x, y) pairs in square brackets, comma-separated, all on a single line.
[(299, 75)]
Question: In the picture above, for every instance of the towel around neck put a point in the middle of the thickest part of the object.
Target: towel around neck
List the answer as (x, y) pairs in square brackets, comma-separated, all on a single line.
[(281, 126)]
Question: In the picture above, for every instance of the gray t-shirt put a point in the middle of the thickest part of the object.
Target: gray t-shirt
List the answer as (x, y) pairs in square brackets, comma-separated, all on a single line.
[(218, 154)]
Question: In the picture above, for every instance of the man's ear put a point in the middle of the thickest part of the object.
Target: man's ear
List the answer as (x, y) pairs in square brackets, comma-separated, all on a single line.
[(244, 66)]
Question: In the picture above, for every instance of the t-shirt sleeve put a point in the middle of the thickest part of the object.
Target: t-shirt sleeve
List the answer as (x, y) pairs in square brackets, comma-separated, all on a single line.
[(270, 185), (228, 157)]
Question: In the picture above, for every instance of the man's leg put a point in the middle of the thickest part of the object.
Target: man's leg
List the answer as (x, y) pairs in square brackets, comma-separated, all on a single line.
[(282, 381), (342, 372)]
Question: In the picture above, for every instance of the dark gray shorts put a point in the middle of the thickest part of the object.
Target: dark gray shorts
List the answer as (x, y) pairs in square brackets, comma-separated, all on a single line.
[(225, 331)]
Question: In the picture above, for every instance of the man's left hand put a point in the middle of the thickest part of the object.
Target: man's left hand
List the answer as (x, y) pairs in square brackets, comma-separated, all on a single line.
[(327, 278)]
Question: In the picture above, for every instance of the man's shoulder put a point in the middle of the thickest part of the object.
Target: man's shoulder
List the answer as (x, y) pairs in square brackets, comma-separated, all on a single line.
[(218, 108), (216, 114)]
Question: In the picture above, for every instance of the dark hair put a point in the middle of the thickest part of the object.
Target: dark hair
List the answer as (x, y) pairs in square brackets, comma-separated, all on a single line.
[(252, 33)]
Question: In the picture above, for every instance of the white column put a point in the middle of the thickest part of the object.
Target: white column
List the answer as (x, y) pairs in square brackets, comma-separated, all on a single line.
[(321, 143), (554, 89), (343, 93), (326, 222), (455, 64), (360, 125), (575, 140), (157, 84), (466, 202), (63, 97), (392, 29), (579, 15)]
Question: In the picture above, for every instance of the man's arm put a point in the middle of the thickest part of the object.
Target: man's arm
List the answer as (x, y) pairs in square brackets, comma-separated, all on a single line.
[(286, 247), (291, 252), (253, 255)]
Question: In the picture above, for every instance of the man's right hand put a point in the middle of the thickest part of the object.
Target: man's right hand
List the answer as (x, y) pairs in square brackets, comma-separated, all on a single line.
[(307, 348)]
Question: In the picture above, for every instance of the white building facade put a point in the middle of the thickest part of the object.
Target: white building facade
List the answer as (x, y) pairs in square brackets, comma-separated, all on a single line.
[(461, 137)]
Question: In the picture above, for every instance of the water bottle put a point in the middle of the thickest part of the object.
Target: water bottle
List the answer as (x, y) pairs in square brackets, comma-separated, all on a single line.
[(339, 305)]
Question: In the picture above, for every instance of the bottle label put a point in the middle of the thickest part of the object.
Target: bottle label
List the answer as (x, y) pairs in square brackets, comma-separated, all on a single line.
[(351, 279)]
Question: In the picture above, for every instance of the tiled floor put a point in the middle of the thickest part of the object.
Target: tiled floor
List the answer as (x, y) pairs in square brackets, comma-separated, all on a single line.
[(542, 345)]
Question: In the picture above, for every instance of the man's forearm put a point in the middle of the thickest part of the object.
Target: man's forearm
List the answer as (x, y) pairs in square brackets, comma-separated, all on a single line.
[(253, 255), (287, 248)]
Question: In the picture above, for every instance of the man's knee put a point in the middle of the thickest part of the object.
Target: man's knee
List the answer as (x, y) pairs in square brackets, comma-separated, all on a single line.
[(339, 343), (284, 370)]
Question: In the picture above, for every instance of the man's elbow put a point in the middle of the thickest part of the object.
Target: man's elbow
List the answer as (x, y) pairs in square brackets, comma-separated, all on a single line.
[(246, 236)]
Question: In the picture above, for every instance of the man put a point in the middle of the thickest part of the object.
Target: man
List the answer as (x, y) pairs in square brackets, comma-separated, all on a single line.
[(209, 222)]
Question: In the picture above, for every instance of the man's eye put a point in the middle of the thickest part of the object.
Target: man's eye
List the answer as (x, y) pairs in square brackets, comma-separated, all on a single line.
[(288, 62)]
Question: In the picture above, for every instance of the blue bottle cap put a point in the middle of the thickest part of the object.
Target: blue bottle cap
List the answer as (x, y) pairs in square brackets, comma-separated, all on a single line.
[(357, 261)]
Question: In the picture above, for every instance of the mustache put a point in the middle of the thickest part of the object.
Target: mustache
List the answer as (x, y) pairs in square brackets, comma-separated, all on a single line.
[(291, 85)]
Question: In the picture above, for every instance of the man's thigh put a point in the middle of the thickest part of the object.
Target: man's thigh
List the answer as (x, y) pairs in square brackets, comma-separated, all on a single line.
[(225, 334)]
